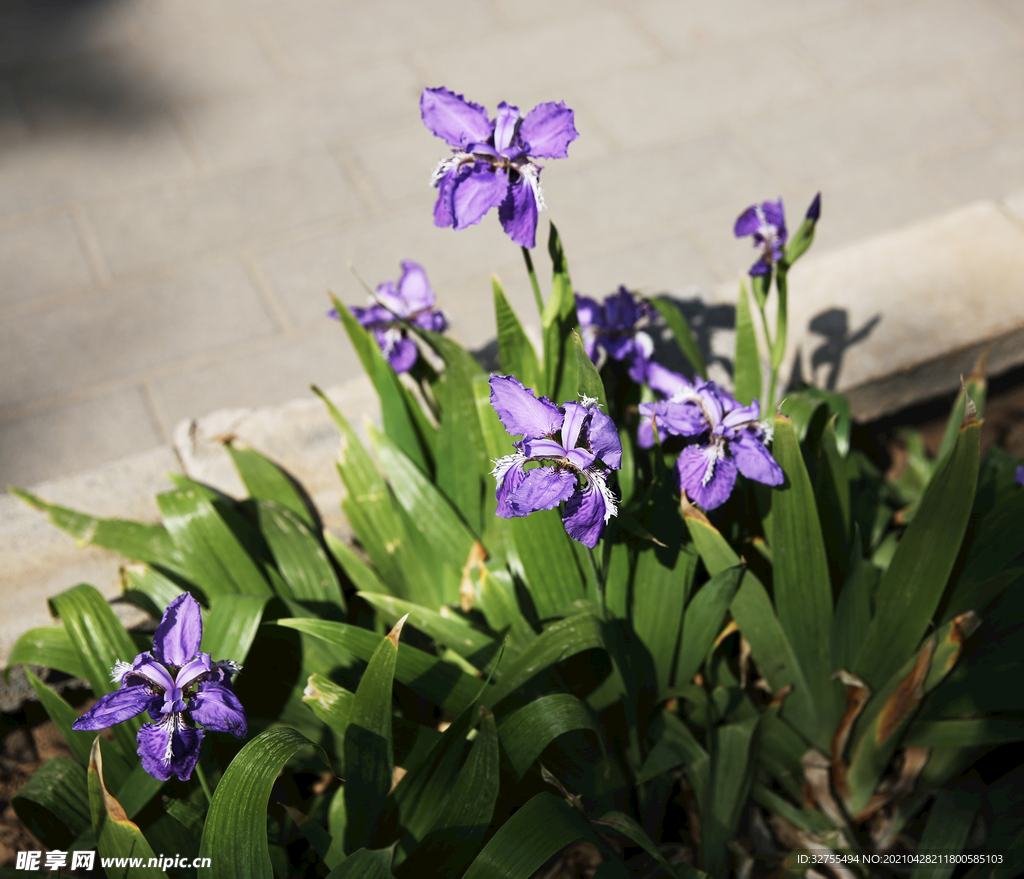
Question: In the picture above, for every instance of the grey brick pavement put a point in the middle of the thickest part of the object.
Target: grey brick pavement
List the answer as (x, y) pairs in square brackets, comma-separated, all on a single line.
[(181, 180)]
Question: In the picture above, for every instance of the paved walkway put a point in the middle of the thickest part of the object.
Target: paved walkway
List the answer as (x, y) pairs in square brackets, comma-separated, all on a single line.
[(181, 180)]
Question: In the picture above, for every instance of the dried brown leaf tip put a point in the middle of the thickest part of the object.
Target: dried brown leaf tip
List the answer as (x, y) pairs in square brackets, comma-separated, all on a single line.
[(475, 560), (396, 632), (907, 695)]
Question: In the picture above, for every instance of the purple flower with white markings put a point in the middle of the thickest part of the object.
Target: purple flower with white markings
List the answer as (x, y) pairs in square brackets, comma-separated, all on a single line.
[(616, 326), (412, 301), (767, 223), (732, 439), (179, 687), (492, 162), (673, 386), (572, 468)]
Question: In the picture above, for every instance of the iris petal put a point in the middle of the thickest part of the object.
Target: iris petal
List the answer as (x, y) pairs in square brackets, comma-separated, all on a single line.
[(170, 747), (549, 129), (180, 632), (518, 214), (115, 707), (754, 460), (706, 475), (521, 413), (453, 118), (217, 707), (542, 489), (476, 193)]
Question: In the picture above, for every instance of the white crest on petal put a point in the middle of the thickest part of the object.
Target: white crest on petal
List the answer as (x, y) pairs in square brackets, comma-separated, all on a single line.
[(714, 452), (120, 669), (644, 343), (531, 174), (392, 336), (611, 505), (684, 394), (769, 431), (446, 164), (588, 402), (504, 464)]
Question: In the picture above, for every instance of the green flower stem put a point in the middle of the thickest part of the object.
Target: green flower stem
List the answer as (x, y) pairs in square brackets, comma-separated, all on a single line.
[(203, 783), (533, 280), (778, 345)]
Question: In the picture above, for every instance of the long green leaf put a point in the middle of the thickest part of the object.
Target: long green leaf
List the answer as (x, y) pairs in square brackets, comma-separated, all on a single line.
[(559, 641), (703, 621), (913, 584), (369, 744), (116, 835), (463, 820), (54, 803), (514, 347), (135, 540), (235, 832), (528, 730), (732, 777), (803, 593), (547, 561), (441, 682), (147, 587), (63, 715), (538, 830), (231, 625), (747, 369), (364, 864), (448, 538), (266, 481), (752, 609), (949, 823), (49, 646), (300, 557), (398, 421), (217, 560), (661, 584), (446, 628), (681, 331), (100, 641), (588, 380), (461, 457), (558, 320)]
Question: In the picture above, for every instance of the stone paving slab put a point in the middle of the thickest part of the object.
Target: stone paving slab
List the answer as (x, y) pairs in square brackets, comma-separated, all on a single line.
[(180, 180)]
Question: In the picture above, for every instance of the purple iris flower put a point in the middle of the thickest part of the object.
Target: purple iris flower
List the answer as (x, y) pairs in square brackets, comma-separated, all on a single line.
[(573, 468), (767, 223), (673, 386), (615, 327), (413, 302), (732, 438), (491, 164), (178, 686), (1019, 476)]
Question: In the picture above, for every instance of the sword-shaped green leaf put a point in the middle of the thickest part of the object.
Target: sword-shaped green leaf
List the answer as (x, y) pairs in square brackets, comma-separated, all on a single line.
[(514, 347), (681, 331), (747, 369), (703, 621), (300, 557), (528, 730), (369, 744), (266, 481), (49, 646), (802, 588), (912, 586), (230, 628), (100, 641), (235, 831), (394, 402), (117, 836)]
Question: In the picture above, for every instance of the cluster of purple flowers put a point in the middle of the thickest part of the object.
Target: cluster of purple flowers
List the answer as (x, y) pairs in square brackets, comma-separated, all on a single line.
[(729, 438), (571, 448), (616, 326), (766, 223), (492, 164), (179, 687), (393, 306)]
